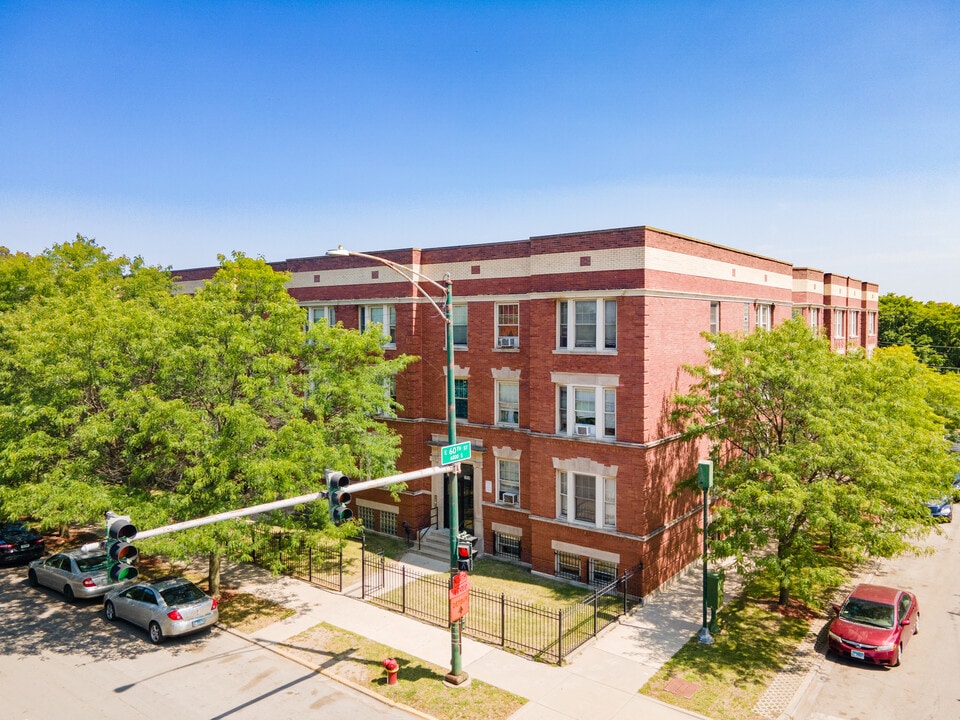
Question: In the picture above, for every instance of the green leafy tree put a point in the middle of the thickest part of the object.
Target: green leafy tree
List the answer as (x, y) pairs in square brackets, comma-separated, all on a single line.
[(822, 458), (254, 409), (81, 334), (931, 329), (116, 392)]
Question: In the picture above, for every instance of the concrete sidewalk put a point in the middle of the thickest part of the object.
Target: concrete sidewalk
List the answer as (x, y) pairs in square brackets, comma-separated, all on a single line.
[(599, 682)]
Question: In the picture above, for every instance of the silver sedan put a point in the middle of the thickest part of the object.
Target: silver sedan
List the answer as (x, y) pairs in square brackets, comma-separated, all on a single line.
[(76, 574), (164, 608)]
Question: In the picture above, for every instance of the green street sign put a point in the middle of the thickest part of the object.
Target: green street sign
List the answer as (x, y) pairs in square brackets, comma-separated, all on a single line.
[(450, 454)]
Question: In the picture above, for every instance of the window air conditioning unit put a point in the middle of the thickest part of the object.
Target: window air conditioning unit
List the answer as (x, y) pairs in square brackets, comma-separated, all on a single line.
[(584, 430), (508, 342), (508, 498)]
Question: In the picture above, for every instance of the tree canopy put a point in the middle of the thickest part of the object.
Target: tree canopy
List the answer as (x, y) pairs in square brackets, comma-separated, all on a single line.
[(119, 393), (931, 329), (822, 458)]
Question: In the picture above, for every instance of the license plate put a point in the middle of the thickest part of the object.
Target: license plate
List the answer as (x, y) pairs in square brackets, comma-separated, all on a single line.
[(856, 654), (24, 546), (201, 621)]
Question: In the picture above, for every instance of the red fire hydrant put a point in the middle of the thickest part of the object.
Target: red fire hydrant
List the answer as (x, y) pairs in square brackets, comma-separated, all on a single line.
[(391, 666)]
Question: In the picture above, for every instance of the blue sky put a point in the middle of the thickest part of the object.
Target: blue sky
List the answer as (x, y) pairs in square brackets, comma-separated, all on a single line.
[(826, 134)]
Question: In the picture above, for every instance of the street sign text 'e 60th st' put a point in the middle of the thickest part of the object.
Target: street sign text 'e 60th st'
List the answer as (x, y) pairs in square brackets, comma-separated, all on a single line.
[(450, 454)]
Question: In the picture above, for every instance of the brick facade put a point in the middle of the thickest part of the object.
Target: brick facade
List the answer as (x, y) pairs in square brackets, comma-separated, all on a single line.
[(666, 290)]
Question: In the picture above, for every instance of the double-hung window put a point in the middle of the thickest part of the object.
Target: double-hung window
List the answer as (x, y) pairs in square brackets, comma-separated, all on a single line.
[(871, 323), (460, 398), (508, 482), (587, 411), (508, 325), (389, 397), (764, 316), (508, 402), (587, 499), (838, 322), (320, 313), (459, 315), (714, 318), (587, 325), (383, 315), (854, 323), (814, 317)]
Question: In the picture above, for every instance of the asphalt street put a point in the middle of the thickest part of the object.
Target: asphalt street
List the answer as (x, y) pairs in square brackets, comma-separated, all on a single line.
[(61, 660), (924, 686)]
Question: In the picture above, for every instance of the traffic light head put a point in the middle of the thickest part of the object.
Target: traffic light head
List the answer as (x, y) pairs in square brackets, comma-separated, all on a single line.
[(464, 555), (121, 555), (338, 497)]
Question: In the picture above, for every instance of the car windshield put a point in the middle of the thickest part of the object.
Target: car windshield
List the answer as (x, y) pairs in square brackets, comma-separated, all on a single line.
[(92, 563), (182, 594), (867, 612)]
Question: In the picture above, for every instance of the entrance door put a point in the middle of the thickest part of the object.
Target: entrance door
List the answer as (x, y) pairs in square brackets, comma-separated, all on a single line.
[(465, 504)]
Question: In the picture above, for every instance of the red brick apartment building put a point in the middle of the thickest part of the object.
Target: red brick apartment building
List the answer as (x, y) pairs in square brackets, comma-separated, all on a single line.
[(568, 349)]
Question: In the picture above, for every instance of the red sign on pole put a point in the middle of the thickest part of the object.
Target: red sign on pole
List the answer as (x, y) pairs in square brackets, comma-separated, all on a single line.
[(459, 596)]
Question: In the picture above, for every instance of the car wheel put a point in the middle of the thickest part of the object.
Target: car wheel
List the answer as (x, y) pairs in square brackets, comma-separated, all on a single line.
[(68, 594), (916, 624), (156, 634), (896, 658), (32, 579), (109, 611)]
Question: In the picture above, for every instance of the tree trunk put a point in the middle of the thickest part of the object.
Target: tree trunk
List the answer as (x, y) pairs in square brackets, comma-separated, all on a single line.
[(784, 597), (213, 576)]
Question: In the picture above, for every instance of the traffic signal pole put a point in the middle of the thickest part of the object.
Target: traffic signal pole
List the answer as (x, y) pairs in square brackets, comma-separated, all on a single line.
[(280, 504)]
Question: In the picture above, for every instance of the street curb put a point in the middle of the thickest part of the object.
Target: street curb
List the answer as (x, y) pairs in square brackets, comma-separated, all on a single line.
[(319, 670)]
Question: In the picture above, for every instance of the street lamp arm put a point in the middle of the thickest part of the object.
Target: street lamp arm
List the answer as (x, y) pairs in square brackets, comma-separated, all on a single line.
[(409, 274), (456, 676)]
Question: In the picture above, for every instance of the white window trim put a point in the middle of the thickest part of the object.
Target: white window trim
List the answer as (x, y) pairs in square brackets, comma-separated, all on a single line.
[(600, 326), (839, 324), (465, 310), (601, 482), (389, 310), (599, 384), (327, 312), (497, 385), (500, 490), (514, 339), (764, 316)]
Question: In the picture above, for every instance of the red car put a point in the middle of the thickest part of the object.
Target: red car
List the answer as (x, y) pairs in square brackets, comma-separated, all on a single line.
[(874, 624)]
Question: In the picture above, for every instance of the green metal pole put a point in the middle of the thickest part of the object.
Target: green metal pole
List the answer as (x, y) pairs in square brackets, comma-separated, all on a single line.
[(456, 676), (704, 636)]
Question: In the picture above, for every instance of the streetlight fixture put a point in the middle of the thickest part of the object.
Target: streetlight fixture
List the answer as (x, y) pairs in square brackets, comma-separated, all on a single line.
[(456, 676)]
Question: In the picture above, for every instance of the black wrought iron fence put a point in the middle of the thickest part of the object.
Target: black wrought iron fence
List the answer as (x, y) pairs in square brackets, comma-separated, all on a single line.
[(544, 634), (540, 633), (316, 562)]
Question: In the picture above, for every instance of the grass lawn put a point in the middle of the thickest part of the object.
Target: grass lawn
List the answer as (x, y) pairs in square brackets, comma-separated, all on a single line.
[(391, 547), (420, 684), (754, 641), (249, 613), (518, 583)]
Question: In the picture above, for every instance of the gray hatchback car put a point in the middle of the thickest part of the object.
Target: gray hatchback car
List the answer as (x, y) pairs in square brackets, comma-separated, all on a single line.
[(76, 574), (164, 608)]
